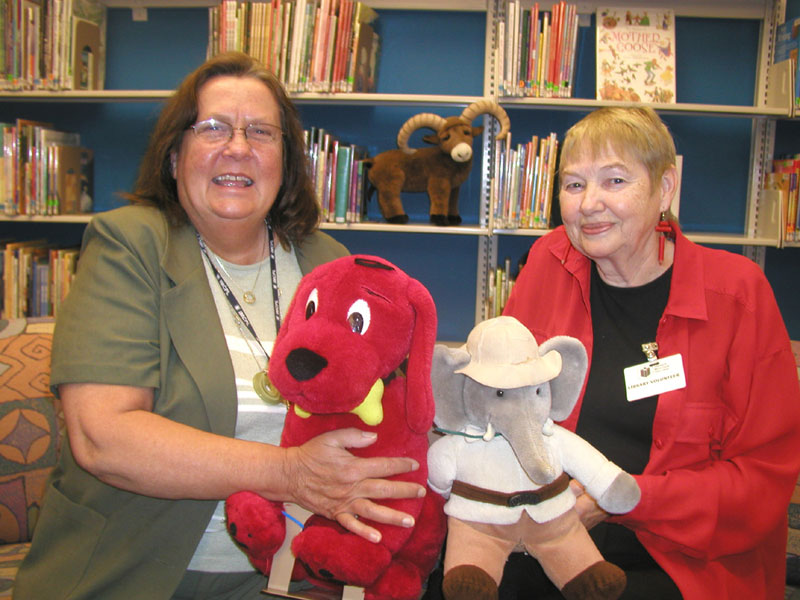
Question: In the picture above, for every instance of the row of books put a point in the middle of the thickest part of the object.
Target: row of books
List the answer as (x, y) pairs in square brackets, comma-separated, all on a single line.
[(521, 191), (787, 46), (499, 284), (36, 278), (339, 176), (535, 49), (780, 198), (44, 171), (52, 44), (311, 45)]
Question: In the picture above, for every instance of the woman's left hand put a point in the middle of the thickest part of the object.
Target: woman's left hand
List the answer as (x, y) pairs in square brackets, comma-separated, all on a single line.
[(589, 512), (325, 478)]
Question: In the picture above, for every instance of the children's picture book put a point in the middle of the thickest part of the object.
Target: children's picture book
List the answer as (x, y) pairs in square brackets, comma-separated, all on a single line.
[(73, 174), (636, 54), (787, 44), (86, 52), (366, 59)]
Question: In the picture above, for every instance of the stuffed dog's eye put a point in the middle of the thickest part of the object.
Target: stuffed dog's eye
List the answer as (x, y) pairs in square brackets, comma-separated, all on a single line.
[(358, 317), (500, 393), (311, 303)]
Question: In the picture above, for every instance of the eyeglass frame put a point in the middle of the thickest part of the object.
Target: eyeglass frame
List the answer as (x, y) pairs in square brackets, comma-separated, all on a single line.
[(234, 129)]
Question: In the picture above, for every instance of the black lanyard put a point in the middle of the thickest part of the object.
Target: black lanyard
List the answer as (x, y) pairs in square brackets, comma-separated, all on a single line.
[(226, 290)]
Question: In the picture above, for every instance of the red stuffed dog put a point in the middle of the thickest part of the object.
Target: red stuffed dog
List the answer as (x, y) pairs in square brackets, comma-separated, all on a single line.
[(354, 326)]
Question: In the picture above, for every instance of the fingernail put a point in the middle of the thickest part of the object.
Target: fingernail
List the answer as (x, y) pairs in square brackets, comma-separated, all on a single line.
[(414, 466), (375, 537), (421, 492), (369, 434), (408, 522)]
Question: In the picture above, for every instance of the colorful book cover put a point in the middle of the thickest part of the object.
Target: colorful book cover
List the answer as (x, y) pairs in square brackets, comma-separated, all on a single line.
[(363, 15), (73, 180), (87, 62), (636, 54), (787, 45), (366, 59)]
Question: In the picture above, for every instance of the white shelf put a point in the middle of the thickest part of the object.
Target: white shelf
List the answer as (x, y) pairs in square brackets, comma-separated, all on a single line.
[(86, 96), (736, 9), (309, 98), (730, 239), (84, 218), (299, 98), (383, 99), (408, 228), (716, 239), (722, 110)]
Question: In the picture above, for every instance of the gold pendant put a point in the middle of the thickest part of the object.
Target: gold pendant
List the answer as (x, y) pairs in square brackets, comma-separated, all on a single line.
[(265, 390), (249, 297)]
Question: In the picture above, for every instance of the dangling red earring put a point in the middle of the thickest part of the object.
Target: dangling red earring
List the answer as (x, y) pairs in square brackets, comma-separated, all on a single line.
[(664, 227)]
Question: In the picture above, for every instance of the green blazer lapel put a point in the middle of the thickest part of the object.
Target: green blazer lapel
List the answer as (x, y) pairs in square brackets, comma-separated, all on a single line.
[(190, 315), (316, 249)]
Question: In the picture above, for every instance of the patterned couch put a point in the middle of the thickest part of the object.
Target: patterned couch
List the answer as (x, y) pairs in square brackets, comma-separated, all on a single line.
[(31, 430), (793, 548)]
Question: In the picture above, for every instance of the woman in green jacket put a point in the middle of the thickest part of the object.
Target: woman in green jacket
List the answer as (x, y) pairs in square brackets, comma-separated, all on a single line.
[(159, 357)]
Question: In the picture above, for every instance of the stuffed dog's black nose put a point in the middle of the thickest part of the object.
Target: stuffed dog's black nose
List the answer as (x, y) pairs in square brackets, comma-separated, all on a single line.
[(305, 364)]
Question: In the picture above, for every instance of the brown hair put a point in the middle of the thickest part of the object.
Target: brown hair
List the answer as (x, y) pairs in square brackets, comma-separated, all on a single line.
[(635, 133), (295, 213)]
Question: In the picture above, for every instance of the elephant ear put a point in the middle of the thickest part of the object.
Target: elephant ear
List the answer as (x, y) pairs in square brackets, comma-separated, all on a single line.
[(448, 386), (566, 387)]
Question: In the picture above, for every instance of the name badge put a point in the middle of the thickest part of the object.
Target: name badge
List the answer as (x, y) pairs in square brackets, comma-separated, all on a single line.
[(654, 377)]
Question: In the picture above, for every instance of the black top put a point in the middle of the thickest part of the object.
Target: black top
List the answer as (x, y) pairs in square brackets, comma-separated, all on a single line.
[(622, 320)]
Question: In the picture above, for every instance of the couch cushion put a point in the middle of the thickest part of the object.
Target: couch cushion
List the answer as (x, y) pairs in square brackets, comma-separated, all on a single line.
[(31, 424), (11, 556), (793, 541)]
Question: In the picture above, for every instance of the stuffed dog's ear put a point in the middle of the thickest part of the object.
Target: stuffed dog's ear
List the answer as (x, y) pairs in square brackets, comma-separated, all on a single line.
[(419, 395)]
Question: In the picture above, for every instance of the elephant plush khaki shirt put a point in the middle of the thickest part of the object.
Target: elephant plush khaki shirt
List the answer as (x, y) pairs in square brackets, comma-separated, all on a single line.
[(493, 465), (140, 313)]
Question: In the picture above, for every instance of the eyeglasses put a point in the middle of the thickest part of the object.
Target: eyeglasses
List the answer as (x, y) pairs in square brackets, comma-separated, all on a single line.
[(213, 131)]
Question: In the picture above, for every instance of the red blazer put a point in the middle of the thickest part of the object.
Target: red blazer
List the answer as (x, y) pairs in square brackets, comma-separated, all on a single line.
[(726, 448)]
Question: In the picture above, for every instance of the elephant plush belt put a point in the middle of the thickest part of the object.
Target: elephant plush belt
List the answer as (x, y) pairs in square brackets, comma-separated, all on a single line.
[(505, 465)]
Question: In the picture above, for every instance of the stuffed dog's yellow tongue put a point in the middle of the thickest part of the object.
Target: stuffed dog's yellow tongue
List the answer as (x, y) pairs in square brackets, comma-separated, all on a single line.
[(370, 410)]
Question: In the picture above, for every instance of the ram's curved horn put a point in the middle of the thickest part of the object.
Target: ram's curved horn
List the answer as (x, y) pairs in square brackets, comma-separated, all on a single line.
[(417, 122), (484, 106)]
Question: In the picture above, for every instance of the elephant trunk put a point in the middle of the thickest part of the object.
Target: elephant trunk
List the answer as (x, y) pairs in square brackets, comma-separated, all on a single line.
[(529, 443)]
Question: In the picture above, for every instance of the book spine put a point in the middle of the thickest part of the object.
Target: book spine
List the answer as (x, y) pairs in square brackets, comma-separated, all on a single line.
[(343, 171)]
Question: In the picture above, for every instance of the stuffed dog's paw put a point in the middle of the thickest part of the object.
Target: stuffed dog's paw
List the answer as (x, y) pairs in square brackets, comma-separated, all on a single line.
[(340, 557), (401, 581), (257, 526)]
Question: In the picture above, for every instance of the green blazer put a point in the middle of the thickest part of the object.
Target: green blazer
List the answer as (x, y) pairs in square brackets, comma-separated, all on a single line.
[(141, 313)]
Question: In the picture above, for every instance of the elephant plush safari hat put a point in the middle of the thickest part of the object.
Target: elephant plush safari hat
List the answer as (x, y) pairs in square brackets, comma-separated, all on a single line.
[(504, 354)]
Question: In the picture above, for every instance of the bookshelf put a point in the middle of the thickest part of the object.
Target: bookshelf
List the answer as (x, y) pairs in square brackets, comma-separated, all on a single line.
[(146, 60)]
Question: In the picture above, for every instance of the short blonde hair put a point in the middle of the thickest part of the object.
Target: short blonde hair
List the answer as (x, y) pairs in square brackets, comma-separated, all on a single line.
[(635, 133)]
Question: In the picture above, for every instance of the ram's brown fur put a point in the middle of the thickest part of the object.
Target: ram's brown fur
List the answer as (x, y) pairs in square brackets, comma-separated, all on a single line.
[(430, 169)]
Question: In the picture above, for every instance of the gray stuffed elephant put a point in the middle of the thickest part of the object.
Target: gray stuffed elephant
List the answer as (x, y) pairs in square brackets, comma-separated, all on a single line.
[(505, 466)]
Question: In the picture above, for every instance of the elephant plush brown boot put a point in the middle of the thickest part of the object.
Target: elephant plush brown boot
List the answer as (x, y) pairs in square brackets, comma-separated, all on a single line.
[(468, 582), (601, 581)]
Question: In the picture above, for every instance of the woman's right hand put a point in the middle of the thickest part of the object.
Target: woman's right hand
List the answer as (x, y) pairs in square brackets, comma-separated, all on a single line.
[(324, 477), (588, 510)]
